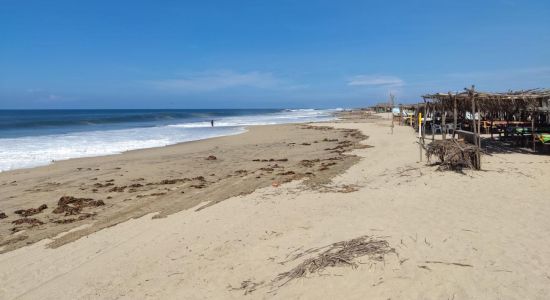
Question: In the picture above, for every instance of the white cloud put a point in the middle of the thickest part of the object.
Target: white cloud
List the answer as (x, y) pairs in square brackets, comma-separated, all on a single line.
[(217, 80), (43, 95), (375, 80)]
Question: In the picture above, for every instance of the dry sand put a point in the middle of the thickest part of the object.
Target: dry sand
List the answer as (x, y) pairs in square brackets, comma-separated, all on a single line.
[(482, 235)]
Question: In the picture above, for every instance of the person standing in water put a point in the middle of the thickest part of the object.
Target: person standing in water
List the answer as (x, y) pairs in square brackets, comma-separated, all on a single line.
[(211, 123)]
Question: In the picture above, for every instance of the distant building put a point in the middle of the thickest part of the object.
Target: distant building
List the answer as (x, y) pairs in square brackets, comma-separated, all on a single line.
[(382, 107)]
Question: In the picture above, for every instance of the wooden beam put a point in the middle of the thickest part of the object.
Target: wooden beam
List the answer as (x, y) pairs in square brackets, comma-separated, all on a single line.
[(479, 135), (472, 98), (533, 132), (473, 115), (455, 115), (443, 121), (400, 114)]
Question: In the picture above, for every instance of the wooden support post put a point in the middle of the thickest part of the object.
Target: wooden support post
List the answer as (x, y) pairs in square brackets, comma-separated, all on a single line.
[(533, 133), (424, 123), (420, 134), (479, 130), (476, 138), (391, 111), (430, 110), (400, 114), (455, 116), (443, 121), (491, 128)]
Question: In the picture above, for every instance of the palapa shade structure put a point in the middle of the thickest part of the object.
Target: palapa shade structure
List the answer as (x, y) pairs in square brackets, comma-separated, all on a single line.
[(510, 102), (500, 105)]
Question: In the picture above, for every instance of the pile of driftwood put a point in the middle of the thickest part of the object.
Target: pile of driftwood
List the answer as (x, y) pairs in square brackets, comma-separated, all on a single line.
[(338, 254), (452, 155)]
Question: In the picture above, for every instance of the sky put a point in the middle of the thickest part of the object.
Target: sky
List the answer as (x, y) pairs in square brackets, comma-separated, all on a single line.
[(265, 54)]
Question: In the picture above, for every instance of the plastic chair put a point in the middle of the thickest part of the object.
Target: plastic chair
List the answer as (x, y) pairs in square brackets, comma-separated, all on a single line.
[(437, 127), (450, 127)]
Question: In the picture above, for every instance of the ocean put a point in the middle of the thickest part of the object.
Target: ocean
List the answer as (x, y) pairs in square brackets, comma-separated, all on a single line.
[(30, 138)]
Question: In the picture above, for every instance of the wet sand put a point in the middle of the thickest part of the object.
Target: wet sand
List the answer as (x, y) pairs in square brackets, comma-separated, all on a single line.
[(103, 191)]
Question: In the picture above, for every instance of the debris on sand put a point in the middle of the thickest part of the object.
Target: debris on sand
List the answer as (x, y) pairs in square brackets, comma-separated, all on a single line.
[(157, 194), (71, 220), (287, 173), (3, 215), (361, 146), (452, 155), (118, 189), (248, 286), (211, 157), (101, 185), (30, 221), (309, 163), (174, 181), (271, 159), (73, 206), (338, 254), (198, 186), (346, 188), (30, 211)]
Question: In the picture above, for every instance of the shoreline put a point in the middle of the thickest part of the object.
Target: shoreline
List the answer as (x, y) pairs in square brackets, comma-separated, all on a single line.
[(244, 127), (222, 130), (166, 179), (126, 151)]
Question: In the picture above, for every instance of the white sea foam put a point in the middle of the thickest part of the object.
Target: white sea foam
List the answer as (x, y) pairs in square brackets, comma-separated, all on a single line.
[(288, 116), (31, 151)]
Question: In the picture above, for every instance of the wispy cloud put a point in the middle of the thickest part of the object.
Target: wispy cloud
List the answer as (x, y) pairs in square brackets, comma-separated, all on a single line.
[(43, 95), (217, 80), (375, 80)]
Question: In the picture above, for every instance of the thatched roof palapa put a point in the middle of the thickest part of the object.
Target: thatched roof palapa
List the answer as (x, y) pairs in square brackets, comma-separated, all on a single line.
[(511, 102)]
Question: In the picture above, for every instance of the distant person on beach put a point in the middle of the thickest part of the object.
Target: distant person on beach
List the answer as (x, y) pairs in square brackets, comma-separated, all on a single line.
[(212, 123)]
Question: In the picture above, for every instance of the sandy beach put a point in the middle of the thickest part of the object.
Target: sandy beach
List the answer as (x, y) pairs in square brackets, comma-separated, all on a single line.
[(223, 218), (107, 190)]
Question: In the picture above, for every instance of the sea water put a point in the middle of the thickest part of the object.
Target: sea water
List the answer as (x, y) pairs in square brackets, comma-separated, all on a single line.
[(30, 138)]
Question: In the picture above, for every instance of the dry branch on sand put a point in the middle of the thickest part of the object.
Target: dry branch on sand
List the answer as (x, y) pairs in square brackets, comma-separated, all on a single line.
[(248, 286), (338, 254), (452, 155)]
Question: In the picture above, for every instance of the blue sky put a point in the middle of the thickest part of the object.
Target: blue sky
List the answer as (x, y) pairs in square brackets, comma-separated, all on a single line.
[(245, 54)]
